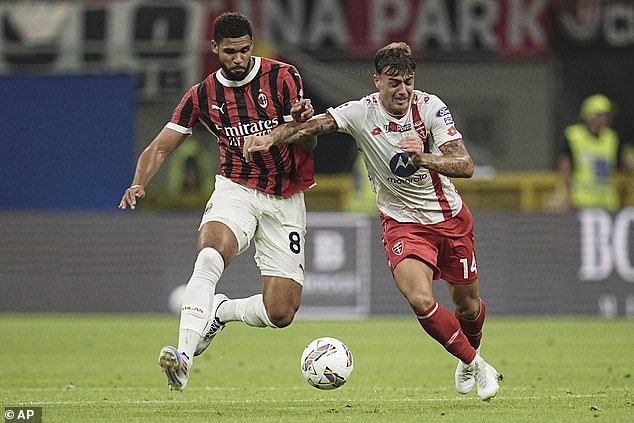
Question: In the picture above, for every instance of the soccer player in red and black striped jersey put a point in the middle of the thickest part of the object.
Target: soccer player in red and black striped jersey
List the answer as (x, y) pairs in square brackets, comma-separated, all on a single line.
[(259, 200)]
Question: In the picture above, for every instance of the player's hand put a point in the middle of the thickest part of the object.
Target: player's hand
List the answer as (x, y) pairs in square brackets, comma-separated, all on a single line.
[(302, 110), (130, 195), (254, 143), (412, 146)]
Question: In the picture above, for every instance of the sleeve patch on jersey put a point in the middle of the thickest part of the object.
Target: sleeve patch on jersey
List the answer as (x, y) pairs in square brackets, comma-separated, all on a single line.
[(445, 114), (442, 112)]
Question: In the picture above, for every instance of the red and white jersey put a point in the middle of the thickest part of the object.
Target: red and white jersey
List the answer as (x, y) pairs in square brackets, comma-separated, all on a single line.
[(254, 105), (405, 192)]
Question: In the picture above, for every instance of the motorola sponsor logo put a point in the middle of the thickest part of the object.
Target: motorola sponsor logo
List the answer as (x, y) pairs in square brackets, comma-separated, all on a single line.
[(402, 166), (407, 181)]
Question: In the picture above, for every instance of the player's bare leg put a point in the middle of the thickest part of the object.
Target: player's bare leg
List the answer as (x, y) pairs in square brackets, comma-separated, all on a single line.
[(275, 308), (414, 279), (282, 298), (466, 298)]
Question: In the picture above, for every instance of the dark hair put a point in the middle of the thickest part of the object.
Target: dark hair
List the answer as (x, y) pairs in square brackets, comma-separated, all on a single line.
[(231, 25), (394, 59)]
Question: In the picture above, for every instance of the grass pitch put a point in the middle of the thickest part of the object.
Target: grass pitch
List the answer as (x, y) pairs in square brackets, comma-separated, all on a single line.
[(103, 368)]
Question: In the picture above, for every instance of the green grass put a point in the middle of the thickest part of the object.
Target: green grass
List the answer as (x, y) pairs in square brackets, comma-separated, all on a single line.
[(103, 369)]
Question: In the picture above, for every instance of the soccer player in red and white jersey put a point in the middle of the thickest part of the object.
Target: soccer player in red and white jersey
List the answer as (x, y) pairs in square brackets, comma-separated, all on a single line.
[(411, 147), (260, 200)]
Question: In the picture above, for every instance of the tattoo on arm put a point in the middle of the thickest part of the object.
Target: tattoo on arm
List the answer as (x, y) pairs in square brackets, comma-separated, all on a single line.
[(455, 162), (293, 132)]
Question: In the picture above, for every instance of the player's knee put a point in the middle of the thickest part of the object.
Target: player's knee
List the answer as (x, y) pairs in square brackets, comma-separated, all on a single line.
[(469, 308), (220, 238), (420, 301), (282, 317), (226, 255), (210, 257)]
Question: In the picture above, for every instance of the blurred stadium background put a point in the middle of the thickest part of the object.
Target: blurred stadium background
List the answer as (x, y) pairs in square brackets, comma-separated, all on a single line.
[(85, 85)]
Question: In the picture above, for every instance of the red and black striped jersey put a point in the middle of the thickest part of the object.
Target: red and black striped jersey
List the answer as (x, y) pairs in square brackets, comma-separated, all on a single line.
[(254, 105)]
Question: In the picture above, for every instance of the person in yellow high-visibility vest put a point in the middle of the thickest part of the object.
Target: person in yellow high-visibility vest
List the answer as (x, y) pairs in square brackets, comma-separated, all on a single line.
[(591, 156)]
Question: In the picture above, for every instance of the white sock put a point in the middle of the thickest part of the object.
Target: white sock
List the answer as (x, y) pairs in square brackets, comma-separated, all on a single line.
[(198, 298), (249, 310), (476, 357), (187, 341)]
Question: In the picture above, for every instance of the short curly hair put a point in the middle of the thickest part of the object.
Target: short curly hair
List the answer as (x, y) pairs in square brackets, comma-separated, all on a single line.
[(394, 59), (231, 25)]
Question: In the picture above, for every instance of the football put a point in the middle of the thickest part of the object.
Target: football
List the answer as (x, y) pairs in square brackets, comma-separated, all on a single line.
[(326, 363), (175, 300)]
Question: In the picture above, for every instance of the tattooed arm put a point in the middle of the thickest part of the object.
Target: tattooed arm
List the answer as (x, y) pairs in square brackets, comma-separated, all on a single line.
[(455, 161), (302, 111), (292, 132)]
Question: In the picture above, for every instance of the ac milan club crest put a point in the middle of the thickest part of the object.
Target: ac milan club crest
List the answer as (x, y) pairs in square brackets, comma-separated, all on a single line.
[(398, 248), (263, 100)]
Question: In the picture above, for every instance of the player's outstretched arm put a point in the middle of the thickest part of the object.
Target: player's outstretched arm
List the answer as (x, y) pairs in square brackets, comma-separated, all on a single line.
[(289, 133), (149, 163), (455, 161)]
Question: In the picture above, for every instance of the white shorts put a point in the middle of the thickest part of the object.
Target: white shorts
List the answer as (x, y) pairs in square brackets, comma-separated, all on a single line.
[(276, 224)]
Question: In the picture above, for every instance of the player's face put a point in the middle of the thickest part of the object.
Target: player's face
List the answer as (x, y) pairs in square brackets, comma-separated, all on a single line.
[(395, 92), (234, 55)]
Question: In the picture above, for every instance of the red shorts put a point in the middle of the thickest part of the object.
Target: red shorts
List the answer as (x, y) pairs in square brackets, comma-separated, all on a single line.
[(447, 247)]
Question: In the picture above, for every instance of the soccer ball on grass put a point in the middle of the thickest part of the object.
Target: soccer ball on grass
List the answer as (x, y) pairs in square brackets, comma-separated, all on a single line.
[(326, 363)]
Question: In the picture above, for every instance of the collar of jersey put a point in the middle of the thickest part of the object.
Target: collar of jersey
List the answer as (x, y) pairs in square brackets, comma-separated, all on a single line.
[(398, 118), (230, 83)]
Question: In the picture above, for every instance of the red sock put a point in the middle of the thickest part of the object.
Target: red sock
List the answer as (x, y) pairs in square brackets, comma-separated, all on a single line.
[(443, 326), (473, 328)]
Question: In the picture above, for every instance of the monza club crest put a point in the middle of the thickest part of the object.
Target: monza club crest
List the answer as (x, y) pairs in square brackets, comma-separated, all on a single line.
[(398, 248)]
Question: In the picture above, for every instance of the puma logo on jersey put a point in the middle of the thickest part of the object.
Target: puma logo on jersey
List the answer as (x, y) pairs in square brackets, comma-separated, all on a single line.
[(214, 107)]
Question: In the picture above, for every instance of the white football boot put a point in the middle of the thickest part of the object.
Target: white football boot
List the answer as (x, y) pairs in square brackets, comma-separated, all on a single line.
[(213, 327), (486, 378), (465, 376), (175, 365)]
